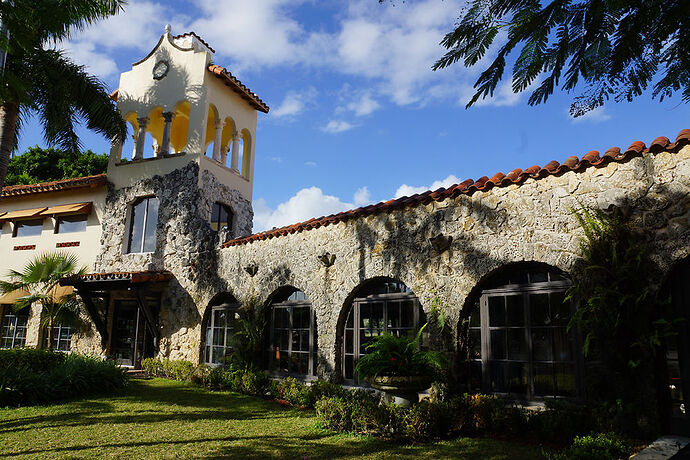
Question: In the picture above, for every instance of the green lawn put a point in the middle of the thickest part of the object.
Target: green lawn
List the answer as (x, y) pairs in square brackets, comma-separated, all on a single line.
[(166, 419)]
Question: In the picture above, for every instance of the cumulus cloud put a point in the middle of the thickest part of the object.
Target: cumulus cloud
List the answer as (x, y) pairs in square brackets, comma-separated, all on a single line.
[(407, 190), (304, 205), (310, 163), (337, 126), (294, 103), (362, 196), (360, 104)]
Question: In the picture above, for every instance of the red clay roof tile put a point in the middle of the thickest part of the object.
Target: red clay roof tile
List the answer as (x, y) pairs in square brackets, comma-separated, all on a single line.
[(54, 186), (468, 186), (238, 87)]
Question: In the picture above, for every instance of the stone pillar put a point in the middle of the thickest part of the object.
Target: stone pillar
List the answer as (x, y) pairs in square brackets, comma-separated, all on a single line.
[(141, 138), (217, 139), (235, 161), (167, 127), (224, 154), (134, 150)]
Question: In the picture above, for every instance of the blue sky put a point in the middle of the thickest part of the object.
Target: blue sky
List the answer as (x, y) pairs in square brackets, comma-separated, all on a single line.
[(357, 116)]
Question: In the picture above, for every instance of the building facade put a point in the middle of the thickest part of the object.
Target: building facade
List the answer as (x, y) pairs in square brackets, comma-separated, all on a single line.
[(166, 236)]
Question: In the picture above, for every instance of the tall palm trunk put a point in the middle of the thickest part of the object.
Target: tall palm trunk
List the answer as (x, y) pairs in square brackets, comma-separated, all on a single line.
[(51, 321), (9, 111)]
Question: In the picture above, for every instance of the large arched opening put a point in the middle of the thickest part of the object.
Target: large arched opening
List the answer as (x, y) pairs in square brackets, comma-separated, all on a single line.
[(513, 335), (379, 305)]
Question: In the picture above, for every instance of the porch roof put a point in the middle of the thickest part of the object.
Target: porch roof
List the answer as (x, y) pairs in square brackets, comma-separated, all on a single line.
[(139, 277)]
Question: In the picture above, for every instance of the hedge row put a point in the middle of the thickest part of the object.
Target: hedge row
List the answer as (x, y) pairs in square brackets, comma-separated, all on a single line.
[(30, 376)]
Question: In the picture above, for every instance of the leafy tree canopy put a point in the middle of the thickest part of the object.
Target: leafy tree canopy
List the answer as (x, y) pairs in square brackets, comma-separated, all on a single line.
[(43, 165), (613, 48)]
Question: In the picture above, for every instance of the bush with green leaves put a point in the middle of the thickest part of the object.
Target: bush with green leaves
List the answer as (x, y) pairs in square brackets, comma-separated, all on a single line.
[(75, 376), (602, 446), (32, 358), (182, 370), (392, 355)]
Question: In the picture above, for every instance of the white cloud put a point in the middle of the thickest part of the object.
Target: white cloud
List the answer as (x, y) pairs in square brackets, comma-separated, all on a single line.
[(84, 53), (305, 204), (362, 196), (337, 126), (364, 104), (310, 163), (407, 190), (294, 103), (597, 115)]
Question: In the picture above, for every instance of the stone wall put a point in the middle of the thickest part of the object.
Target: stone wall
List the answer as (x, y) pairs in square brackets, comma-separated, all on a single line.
[(527, 222), (531, 221)]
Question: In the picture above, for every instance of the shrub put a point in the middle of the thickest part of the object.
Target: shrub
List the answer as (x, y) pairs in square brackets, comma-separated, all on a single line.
[(295, 392), (427, 420), (254, 383), (76, 376), (334, 413), (185, 371), (561, 421), (602, 446), (31, 358)]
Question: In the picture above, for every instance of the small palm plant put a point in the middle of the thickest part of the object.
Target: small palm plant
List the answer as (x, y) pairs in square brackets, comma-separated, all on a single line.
[(40, 280), (390, 355)]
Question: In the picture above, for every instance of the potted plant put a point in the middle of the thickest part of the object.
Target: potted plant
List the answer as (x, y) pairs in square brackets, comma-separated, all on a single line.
[(398, 366)]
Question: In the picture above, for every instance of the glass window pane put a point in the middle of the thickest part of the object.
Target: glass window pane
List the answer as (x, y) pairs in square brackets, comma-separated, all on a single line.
[(543, 379), (350, 319), (215, 216), (349, 344), (407, 309), (70, 224), (515, 310), (349, 367), (393, 312), (562, 345), (498, 344), (517, 378), (517, 345), (137, 229), (474, 346), (377, 315), (541, 344), (539, 309), (565, 380), (151, 225), (499, 381), (497, 311), (29, 228), (560, 310), (539, 277)]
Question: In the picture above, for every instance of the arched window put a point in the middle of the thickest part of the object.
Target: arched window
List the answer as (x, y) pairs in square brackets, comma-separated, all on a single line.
[(143, 225), (221, 217), (517, 340), (219, 329), (380, 305), (293, 335)]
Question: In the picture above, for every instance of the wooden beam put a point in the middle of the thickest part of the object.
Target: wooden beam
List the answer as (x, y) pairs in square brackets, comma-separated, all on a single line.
[(150, 318)]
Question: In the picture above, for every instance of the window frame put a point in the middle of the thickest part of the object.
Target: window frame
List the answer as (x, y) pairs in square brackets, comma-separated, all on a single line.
[(8, 314), (58, 328), (19, 223), (312, 353), (144, 226), (231, 309), (355, 310), (230, 216), (59, 219), (525, 290)]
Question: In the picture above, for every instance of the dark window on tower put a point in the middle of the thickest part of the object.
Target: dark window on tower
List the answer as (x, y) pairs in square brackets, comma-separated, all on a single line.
[(142, 230), (28, 228), (71, 224), (221, 217)]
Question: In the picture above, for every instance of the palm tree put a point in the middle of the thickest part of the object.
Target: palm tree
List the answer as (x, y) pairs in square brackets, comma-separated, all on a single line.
[(37, 78), (40, 280)]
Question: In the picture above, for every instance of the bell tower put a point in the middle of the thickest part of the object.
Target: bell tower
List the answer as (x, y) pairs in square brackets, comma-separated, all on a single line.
[(181, 108)]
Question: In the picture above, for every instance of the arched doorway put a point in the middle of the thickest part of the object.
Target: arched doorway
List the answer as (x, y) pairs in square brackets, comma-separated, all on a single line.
[(514, 336), (292, 334), (218, 328), (379, 305)]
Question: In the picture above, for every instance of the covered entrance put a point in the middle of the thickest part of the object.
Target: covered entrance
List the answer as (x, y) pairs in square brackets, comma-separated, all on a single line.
[(124, 308)]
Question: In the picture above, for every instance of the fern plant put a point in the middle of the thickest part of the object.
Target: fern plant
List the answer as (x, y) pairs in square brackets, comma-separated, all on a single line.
[(392, 355)]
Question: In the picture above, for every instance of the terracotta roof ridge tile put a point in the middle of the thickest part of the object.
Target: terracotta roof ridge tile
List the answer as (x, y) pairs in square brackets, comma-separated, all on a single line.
[(469, 186), (239, 87)]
